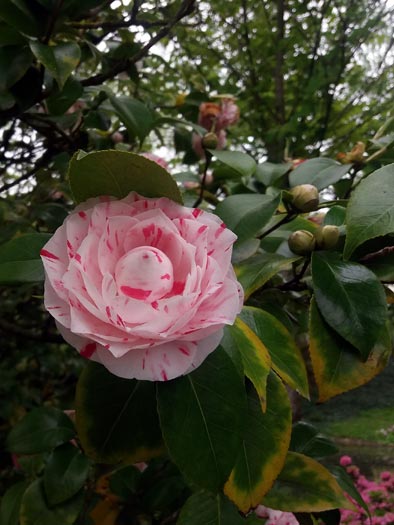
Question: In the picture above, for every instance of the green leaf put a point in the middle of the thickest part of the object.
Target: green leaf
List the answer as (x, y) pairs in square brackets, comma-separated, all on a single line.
[(269, 173), (135, 115), (59, 102), (17, 14), (60, 60), (347, 485), (370, 212), (34, 508), (305, 486), (65, 473), (336, 365), (204, 508), (255, 357), (306, 439), (344, 293), (264, 446), (247, 214), (117, 173), (40, 430), (335, 216), (124, 481), (116, 418), (202, 416), (242, 163), (382, 267), (14, 62), (256, 271), (20, 259), (11, 502), (287, 360), (320, 172)]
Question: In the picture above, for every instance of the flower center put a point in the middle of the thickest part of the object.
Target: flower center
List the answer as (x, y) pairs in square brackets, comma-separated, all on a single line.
[(144, 273)]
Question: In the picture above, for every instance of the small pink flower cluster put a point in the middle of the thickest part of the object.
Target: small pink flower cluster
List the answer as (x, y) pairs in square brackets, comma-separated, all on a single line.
[(275, 517), (215, 118), (378, 495)]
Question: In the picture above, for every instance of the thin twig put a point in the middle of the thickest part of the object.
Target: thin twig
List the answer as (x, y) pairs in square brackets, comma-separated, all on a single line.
[(288, 217), (208, 158)]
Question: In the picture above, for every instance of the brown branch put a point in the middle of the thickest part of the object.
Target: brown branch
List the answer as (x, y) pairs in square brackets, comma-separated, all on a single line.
[(185, 9), (41, 162)]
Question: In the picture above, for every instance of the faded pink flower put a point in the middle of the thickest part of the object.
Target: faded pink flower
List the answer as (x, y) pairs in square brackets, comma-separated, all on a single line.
[(155, 158), (229, 113), (143, 286), (275, 517), (345, 461)]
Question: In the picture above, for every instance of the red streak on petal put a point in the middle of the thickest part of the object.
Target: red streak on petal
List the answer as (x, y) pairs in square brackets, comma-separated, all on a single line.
[(178, 287), (210, 253), (164, 375), (116, 238), (196, 212), (125, 339), (69, 245), (145, 256), (166, 309), (109, 245), (49, 255), (155, 305), (53, 307), (107, 346), (148, 231), (143, 363), (135, 293), (202, 229), (77, 257), (184, 351), (88, 350), (220, 230), (166, 276), (82, 214), (119, 321), (108, 311), (159, 235), (145, 204)]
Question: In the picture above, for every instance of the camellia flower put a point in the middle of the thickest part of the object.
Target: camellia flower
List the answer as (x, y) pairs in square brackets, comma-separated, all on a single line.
[(143, 286)]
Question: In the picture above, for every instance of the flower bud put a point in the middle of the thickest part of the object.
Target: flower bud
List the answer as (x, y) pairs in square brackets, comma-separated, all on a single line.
[(305, 197), (327, 237), (210, 141), (302, 242)]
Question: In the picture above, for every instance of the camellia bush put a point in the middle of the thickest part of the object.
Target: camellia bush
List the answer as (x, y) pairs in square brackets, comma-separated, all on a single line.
[(162, 322)]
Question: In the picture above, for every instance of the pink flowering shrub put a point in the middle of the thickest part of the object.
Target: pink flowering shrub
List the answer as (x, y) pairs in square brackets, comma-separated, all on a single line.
[(143, 286), (216, 118), (378, 495), (275, 517)]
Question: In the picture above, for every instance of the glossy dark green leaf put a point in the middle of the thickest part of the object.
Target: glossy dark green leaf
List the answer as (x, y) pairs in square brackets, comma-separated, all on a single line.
[(287, 360), (337, 365), (204, 508), (35, 509), (264, 446), (335, 216), (320, 172), (255, 358), (116, 418), (40, 430), (124, 481), (253, 273), (304, 485), (65, 473), (344, 293), (269, 173), (135, 115), (347, 485), (20, 259), (11, 502), (247, 214), (60, 60), (14, 62), (306, 439), (202, 417), (60, 101), (370, 212), (240, 162), (118, 173), (382, 267), (17, 14)]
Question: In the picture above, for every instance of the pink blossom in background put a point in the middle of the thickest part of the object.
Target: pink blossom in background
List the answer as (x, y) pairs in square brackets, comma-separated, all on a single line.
[(229, 113), (157, 159), (208, 115), (275, 517), (143, 286)]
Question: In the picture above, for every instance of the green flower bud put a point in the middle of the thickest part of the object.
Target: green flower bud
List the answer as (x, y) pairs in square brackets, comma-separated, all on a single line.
[(327, 237), (305, 197), (210, 141), (302, 242)]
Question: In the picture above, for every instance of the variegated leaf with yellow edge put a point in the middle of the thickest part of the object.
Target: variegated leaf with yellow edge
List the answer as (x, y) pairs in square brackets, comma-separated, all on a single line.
[(287, 360), (304, 485), (337, 366), (264, 446), (255, 357)]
